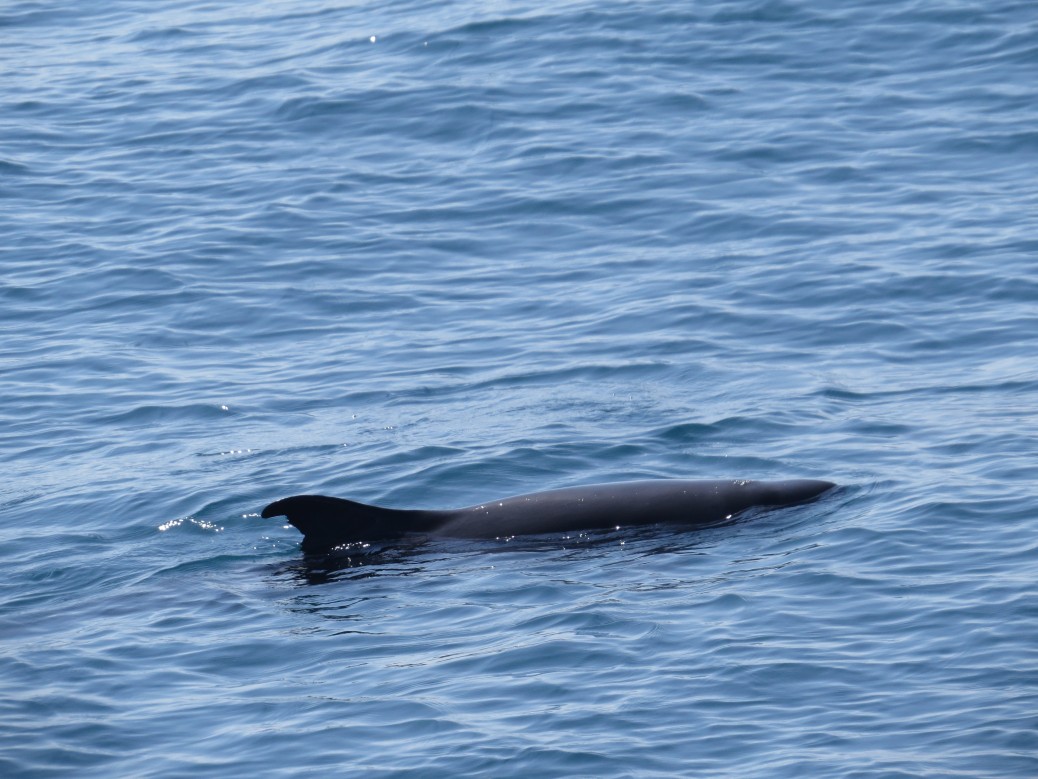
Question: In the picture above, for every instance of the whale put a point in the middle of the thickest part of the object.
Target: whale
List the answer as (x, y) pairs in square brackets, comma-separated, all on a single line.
[(328, 522)]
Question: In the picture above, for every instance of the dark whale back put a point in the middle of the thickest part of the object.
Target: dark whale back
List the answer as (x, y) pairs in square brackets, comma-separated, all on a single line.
[(327, 522)]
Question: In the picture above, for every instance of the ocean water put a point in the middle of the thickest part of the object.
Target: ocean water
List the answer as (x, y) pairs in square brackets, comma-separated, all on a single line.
[(430, 254)]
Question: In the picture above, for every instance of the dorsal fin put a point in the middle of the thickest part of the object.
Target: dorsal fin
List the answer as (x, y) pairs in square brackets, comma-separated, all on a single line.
[(326, 522)]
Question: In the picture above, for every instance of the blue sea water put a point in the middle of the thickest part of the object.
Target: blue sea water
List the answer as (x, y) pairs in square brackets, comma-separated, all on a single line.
[(429, 254)]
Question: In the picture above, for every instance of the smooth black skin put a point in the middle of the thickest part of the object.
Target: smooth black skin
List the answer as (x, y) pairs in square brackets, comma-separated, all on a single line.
[(329, 522)]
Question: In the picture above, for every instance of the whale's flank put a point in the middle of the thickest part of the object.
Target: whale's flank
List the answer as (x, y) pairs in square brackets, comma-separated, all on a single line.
[(326, 522)]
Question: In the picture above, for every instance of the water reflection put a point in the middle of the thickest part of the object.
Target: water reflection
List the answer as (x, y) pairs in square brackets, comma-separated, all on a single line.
[(359, 561), (413, 555)]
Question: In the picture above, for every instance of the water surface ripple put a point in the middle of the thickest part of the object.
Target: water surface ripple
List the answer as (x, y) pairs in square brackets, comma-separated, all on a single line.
[(430, 254)]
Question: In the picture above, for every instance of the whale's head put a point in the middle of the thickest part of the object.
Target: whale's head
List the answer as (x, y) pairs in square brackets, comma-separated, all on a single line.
[(787, 493)]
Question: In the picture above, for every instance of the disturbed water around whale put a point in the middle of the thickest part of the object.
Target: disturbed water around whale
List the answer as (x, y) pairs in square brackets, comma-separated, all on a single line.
[(428, 255)]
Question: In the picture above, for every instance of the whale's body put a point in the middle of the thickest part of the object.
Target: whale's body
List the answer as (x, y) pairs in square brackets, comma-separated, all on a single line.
[(327, 522)]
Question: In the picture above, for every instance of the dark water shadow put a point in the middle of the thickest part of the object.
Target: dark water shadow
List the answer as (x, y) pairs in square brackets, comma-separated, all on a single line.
[(360, 560)]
